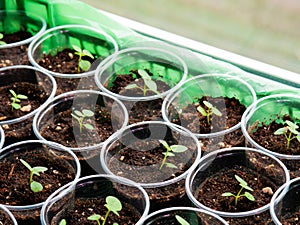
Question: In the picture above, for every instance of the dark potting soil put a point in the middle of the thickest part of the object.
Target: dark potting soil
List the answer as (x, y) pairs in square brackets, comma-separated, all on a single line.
[(144, 167), (16, 55), (22, 130), (66, 62), (64, 129), (232, 111), (259, 219), (5, 219), (83, 208), (123, 80), (14, 176), (264, 136)]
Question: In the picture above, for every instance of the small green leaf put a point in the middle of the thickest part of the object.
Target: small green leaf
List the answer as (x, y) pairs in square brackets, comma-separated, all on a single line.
[(131, 86), (76, 117), (249, 196), (178, 148), (63, 222), (293, 130), (26, 164), (151, 85), (38, 169), (77, 48), (87, 113), (36, 186), (88, 126), (209, 105), (171, 165), (77, 112), (2, 43), (13, 93), (1, 35), (164, 143), (240, 180), (201, 110), (16, 105), (216, 111), (280, 131), (115, 224), (19, 96), (144, 74), (88, 54), (227, 194), (291, 124), (181, 220), (94, 217), (84, 65), (113, 204)]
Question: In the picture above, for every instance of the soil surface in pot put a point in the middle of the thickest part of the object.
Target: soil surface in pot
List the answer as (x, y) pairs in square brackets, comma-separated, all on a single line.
[(5, 219), (14, 176), (64, 129), (66, 62), (36, 97), (16, 55), (231, 110), (211, 190), (265, 137), (259, 219), (83, 208), (145, 167)]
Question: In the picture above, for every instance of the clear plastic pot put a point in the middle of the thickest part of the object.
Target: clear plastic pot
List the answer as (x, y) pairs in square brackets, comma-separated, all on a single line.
[(236, 161), (2, 137), (48, 151), (109, 116), (8, 213), (136, 152), (94, 188)]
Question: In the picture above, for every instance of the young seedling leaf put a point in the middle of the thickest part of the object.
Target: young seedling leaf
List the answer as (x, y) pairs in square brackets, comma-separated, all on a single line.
[(113, 204), (63, 222), (249, 196), (88, 126), (181, 220), (240, 180), (87, 112), (26, 164), (19, 96), (178, 148), (131, 86), (144, 74), (171, 165), (292, 125), (208, 104), (202, 111), (227, 194), (77, 48), (151, 85), (87, 53), (13, 93), (84, 65), (36, 186), (280, 131), (38, 169), (94, 217), (77, 112), (164, 143), (216, 111)]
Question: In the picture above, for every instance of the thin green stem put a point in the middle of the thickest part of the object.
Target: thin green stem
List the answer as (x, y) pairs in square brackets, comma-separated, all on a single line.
[(31, 177), (105, 218), (165, 158), (78, 67), (237, 196)]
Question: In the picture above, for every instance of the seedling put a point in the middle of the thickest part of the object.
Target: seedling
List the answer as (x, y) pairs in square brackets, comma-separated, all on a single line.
[(80, 117), (113, 205), (149, 84), (209, 111), (243, 185), (169, 152), (181, 220), (1, 37), (16, 99), (34, 185), (290, 132), (63, 222), (84, 65)]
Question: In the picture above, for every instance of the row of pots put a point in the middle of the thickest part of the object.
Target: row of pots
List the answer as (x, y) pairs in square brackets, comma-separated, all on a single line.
[(119, 106)]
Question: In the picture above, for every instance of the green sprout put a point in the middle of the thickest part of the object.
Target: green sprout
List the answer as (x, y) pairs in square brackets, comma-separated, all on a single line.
[(290, 132), (113, 205), (1, 37), (243, 185), (169, 152), (16, 99), (149, 84), (34, 185), (209, 112), (84, 65), (181, 220), (63, 222), (80, 116)]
